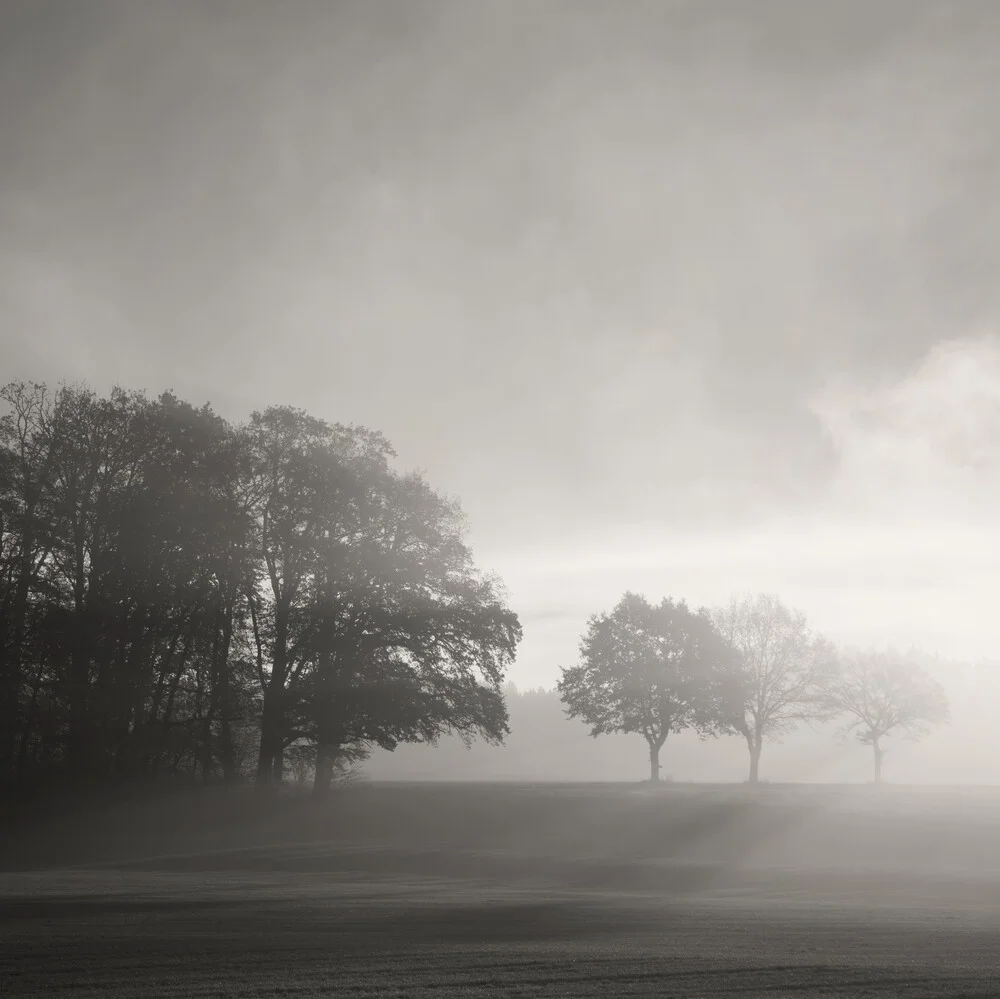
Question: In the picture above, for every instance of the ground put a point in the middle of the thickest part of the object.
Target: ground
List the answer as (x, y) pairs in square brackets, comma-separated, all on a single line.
[(512, 890)]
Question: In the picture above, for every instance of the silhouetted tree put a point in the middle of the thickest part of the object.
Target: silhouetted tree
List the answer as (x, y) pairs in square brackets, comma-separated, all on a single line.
[(652, 670), (783, 664), (407, 640), (881, 692), (370, 622), (26, 457), (299, 483), (193, 532), (176, 592)]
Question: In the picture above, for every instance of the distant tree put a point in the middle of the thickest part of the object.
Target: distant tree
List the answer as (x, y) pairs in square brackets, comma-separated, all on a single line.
[(881, 693), (652, 670), (783, 664)]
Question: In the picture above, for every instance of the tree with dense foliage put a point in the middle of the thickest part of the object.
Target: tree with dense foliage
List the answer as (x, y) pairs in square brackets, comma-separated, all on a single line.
[(652, 670), (302, 477), (178, 595), (881, 693), (783, 664), (128, 498), (410, 641)]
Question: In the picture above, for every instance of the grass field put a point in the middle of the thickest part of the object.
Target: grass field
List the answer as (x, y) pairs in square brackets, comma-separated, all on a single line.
[(512, 890)]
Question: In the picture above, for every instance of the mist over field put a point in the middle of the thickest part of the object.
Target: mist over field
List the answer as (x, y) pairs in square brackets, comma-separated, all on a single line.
[(464, 889)]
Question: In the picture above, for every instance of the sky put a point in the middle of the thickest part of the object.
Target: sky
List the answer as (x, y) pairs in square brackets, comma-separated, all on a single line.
[(689, 298)]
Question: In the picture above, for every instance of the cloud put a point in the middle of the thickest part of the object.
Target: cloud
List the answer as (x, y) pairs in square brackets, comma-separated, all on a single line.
[(925, 444), (653, 288), (901, 547)]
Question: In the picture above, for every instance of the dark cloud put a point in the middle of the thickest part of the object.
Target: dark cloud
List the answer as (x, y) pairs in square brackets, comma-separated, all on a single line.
[(586, 263)]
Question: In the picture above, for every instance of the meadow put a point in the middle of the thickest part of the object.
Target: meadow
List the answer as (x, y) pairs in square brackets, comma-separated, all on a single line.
[(510, 890)]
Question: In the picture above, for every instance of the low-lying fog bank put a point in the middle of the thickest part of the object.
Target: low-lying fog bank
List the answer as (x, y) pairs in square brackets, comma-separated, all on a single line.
[(861, 828)]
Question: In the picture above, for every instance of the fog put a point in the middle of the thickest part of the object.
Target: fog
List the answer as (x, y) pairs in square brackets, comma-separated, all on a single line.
[(676, 298), (689, 298), (545, 745)]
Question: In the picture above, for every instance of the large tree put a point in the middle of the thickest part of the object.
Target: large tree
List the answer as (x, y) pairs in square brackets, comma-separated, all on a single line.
[(100, 447), (302, 479), (26, 456), (370, 622), (178, 594), (882, 693), (112, 513), (653, 670), (411, 641), (783, 663)]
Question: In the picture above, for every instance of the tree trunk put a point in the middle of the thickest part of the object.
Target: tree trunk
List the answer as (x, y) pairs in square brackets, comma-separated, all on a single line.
[(755, 748), (12, 646), (326, 754), (223, 685), (79, 745), (270, 763), (21, 767), (206, 753), (11, 679), (10, 721), (80, 750), (879, 754), (654, 762), (270, 742), (216, 705)]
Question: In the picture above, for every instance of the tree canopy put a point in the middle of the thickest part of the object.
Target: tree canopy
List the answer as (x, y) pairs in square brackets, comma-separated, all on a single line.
[(180, 595), (652, 669)]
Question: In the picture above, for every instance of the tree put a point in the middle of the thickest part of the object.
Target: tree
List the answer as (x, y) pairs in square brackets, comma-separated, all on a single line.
[(178, 594), (301, 479), (652, 670), (112, 513), (26, 455), (783, 664), (410, 641), (187, 545), (881, 692), (370, 622)]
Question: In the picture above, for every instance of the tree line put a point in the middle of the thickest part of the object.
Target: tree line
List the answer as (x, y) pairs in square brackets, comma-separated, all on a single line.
[(752, 668), (184, 597), (181, 596)]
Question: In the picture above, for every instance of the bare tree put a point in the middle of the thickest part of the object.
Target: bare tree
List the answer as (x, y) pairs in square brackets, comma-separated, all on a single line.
[(783, 662), (882, 692)]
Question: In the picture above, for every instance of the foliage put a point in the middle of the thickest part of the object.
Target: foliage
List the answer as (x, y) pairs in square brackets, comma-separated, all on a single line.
[(652, 670), (178, 594)]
